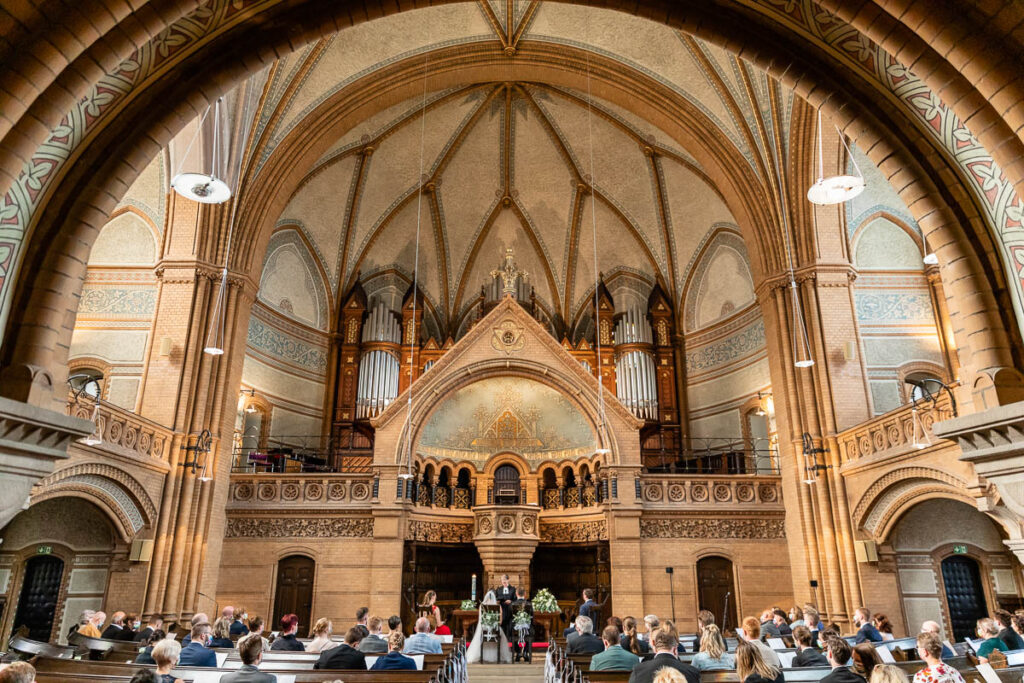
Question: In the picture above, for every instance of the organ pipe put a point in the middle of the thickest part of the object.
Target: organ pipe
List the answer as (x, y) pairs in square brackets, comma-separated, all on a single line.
[(636, 381), (378, 368)]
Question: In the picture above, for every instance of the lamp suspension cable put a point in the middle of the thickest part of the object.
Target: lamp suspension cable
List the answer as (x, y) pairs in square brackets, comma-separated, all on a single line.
[(838, 188), (199, 186), (415, 274), (602, 429)]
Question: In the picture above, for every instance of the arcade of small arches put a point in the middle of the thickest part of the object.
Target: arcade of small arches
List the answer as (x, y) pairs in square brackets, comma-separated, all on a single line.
[(514, 287)]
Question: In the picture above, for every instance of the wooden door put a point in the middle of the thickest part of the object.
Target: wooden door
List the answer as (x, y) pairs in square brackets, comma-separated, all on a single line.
[(39, 592), (965, 595), (294, 593), (506, 485), (716, 591)]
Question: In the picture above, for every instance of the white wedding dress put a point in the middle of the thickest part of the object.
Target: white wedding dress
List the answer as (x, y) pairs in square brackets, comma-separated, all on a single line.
[(474, 654)]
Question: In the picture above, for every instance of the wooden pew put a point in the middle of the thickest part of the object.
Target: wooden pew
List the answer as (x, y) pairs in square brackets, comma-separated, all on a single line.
[(26, 648)]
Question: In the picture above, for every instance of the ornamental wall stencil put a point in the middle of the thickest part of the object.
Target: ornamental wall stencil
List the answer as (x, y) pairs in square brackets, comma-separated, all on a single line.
[(693, 527), (328, 527), (279, 344)]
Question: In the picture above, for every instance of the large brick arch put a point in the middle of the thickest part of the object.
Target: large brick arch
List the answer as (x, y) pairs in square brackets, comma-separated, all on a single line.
[(56, 58)]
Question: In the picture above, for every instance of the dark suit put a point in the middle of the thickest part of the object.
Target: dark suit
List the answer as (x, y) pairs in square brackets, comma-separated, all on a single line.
[(288, 643), (143, 635), (645, 670), (842, 674), (503, 594), (394, 661), (373, 644), (195, 654), (587, 609), (643, 647), (584, 644), (1012, 640), (868, 634), (769, 630), (238, 628), (809, 657), (115, 632), (342, 657), (522, 605), (146, 656), (248, 673)]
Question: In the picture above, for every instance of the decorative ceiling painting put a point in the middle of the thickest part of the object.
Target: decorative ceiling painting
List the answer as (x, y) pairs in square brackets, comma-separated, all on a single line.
[(505, 414)]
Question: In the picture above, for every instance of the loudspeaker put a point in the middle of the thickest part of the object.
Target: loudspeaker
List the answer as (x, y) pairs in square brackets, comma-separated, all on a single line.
[(866, 551), (142, 551), (849, 350), (166, 343)]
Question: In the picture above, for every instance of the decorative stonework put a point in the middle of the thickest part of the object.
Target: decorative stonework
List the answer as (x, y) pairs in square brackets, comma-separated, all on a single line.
[(247, 527), (124, 432), (892, 434), (508, 337), (669, 490), (264, 491), (693, 527), (574, 532), (439, 532)]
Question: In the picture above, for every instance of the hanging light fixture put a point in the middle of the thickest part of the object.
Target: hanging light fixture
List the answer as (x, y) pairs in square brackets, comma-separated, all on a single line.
[(834, 189), (94, 438), (603, 427), (415, 276), (919, 430), (86, 381), (199, 186)]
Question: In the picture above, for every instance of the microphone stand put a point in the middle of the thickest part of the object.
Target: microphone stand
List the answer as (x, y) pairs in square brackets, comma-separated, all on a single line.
[(725, 612)]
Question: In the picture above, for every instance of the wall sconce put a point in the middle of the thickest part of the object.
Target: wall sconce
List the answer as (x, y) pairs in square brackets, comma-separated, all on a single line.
[(199, 452), (931, 388), (811, 454), (764, 398), (251, 408), (95, 438)]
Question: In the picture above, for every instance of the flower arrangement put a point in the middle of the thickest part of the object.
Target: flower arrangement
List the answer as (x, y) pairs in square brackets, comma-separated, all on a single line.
[(522, 618), (468, 605), (544, 601), (489, 622)]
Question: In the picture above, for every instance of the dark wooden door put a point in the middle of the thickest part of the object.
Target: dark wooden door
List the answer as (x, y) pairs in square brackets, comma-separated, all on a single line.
[(506, 485), (39, 592), (716, 591), (445, 568), (566, 570), (965, 595), (294, 594)]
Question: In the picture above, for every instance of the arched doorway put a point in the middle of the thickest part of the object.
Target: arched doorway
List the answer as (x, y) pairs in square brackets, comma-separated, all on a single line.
[(716, 591), (506, 485), (965, 594), (294, 592), (40, 590)]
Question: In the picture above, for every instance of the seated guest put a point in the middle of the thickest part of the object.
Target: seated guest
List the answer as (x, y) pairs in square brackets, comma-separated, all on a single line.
[(651, 622), (704, 617), (394, 624), (146, 656), (321, 641), (713, 655), (361, 615), (116, 630), (768, 627), (197, 618), (222, 634), (751, 667), (583, 641), (93, 621), (630, 639), (196, 653), (394, 660), (838, 653), (344, 656), (807, 654), (256, 626), (613, 658), (18, 672), (988, 631), (375, 642), (250, 650), (933, 627), (929, 648), (888, 673), (781, 622), (812, 620), (882, 623), (752, 633), (156, 623), (665, 643), (421, 642), (166, 654), (1006, 633), (286, 640), (145, 676), (238, 627), (1018, 624), (866, 632), (865, 659), (796, 616)]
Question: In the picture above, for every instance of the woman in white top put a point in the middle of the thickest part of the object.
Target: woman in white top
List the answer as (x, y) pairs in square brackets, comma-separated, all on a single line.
[(322, 630), (712, 655)]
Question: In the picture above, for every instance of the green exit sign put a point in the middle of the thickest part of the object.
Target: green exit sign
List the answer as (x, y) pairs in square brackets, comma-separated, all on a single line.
[(44, 550), (959, 549)]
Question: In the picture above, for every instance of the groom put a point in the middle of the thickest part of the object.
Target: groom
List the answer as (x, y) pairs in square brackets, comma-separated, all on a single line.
[(506, 595)]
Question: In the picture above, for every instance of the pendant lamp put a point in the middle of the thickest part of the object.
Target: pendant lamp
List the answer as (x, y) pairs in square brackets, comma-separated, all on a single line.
[(200, 186), (94, 439), (834, 189), (919, 430)]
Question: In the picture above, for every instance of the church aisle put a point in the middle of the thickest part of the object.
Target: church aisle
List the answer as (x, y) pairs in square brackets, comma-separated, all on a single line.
[(507, 673)]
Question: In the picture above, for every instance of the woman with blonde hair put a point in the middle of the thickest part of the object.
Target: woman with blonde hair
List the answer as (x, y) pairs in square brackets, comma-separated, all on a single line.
[(430, 610), (165, 654), (713, 655), (321, 641), (222, 634), (888, 673), (752, 667), (667, 674)]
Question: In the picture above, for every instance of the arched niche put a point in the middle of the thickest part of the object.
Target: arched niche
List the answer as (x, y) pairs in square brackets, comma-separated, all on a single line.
[(882, 244), (718, 282), (292, 282), (127, 240)]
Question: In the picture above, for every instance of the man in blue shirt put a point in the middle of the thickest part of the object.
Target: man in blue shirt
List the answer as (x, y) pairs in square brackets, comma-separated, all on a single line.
[(196, 652), (866, 631), (421, 642)]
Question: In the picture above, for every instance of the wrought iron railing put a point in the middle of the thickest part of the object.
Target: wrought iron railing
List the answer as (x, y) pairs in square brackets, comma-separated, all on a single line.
[(667, 450)]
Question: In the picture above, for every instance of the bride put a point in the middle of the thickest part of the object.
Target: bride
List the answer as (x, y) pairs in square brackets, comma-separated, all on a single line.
[(475, 652)]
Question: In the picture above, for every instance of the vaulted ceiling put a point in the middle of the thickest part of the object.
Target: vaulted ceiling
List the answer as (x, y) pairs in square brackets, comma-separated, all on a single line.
[(510, 163)]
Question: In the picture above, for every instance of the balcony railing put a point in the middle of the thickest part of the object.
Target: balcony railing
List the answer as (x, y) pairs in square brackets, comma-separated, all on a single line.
[(759, 491), (896, 432), (122, 431), (347, 450), (665, 450)]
